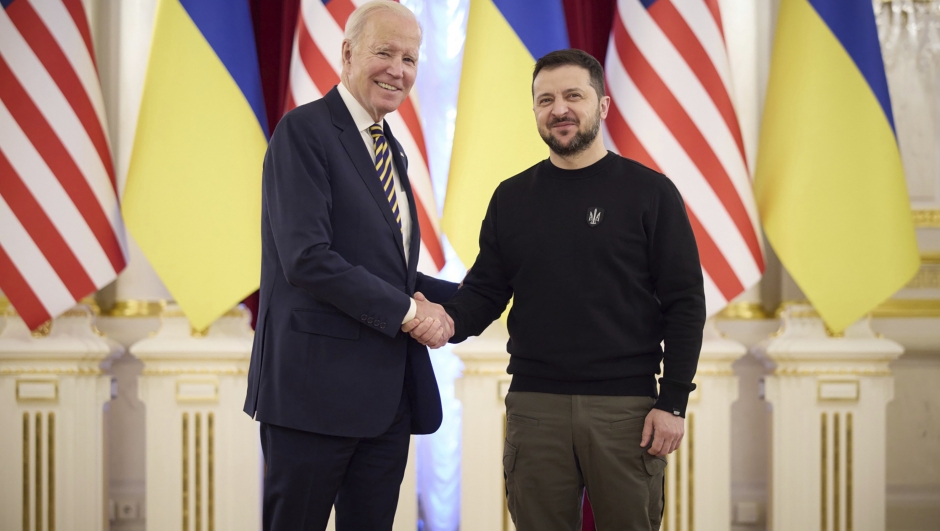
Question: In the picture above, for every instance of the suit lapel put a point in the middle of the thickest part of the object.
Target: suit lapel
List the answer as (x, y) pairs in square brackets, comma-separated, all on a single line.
[(351, 139), (415, 249)]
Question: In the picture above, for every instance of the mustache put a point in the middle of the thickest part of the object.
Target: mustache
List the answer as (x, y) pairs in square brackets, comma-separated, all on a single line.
[(567, 120)]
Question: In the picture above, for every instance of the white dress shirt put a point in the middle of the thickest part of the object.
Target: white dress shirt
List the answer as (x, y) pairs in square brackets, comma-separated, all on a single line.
[(363, 122)]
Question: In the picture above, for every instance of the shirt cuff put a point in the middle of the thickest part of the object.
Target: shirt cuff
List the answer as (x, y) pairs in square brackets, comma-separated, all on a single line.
[(412, 311)]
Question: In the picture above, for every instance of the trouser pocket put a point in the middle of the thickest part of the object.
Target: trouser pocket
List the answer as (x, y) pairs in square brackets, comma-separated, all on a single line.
[(509, 464), (655, 467)]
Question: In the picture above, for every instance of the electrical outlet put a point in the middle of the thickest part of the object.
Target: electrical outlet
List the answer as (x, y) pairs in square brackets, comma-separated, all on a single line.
[(127, 510)]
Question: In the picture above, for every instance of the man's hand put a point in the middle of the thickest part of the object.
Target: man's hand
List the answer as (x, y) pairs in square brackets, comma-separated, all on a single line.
[(431, 325), (666, 430)]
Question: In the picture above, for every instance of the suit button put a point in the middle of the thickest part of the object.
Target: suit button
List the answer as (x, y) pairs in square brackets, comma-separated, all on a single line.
[(382, 325), (369, 320), (363, 317)]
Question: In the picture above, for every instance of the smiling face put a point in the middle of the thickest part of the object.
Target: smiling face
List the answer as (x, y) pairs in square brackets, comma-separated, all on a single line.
[(379, 70), (567, 110)]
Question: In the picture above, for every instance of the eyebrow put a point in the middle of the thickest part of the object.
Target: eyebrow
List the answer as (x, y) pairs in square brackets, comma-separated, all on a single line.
[(566, 91)]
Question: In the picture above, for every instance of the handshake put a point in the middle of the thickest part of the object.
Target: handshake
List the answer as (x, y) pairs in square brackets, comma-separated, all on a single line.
[(431, 325)]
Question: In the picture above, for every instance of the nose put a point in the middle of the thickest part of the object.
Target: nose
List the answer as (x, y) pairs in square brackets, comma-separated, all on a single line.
[(559, 108), (396, 68)]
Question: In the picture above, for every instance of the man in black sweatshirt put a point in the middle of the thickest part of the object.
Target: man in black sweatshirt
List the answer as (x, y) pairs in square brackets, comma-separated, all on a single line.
[(599, 255)]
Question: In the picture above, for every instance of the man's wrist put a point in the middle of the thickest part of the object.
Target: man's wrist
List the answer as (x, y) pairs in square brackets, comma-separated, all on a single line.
[(412, 311)]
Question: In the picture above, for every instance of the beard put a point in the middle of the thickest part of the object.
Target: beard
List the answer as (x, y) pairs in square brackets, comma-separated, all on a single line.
[(579, 142)]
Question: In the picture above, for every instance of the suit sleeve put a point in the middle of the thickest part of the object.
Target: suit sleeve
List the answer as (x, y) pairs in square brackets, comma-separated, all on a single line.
[(677, 276), (298, 199), (435, 289), (486, 290)]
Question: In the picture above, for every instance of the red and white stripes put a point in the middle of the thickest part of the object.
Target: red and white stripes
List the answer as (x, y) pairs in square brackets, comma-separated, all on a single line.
[(61, 233), (669, 81), (314, 70)]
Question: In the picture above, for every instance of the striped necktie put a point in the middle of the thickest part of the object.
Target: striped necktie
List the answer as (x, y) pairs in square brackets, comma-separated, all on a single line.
[(383, 166)]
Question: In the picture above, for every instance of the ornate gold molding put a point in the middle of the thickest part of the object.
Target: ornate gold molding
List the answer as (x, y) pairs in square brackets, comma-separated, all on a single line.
[(176, 371), (906, 308), (137, 308), (744, 311), (928, 276), (70, 371), (791, 371), (926, 218)]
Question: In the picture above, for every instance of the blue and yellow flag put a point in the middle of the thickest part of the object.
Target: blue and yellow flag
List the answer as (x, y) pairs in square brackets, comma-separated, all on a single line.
[(829, 182), (495, 135), (193, 194)]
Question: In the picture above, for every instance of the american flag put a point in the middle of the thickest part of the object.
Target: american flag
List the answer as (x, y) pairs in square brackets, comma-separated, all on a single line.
[(61, 233), (669, 82), (315, 67)]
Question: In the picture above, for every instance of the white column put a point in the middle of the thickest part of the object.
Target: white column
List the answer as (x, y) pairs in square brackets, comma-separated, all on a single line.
[(482, 389), (53, 387), (203, 464), (698, 478), (828, 397)]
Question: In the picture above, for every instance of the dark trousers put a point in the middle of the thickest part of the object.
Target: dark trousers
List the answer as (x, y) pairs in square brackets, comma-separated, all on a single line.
[(307, 473), (556, 445)]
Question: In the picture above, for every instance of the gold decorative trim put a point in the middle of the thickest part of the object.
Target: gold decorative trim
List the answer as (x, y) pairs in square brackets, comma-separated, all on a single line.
[(42, 330), (185, 470), (824, 479), (4, 305), (678, 505), (50, 420), (137, 308), (214, 397), (81, 371), (848, 472), (744, 311), (820, 372), (485, 372), (38, 470), (928, 276), (25, 471), (836, 479), (210, 419), (55, 391), (821, 383), (714, 372), (176, 371), (198, 469), (907, 308), (924, 219)]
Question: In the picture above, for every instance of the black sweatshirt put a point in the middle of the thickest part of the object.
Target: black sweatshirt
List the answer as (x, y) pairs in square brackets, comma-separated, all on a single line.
[(603, 266)]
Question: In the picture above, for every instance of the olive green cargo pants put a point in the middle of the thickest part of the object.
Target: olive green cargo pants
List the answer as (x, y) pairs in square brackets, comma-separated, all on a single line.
[(556, 445)]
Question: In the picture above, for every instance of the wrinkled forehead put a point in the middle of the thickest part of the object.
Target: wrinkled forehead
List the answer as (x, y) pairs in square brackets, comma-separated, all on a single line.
[(384, 29)]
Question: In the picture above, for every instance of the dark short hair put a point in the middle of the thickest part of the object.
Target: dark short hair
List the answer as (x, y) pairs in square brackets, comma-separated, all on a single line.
[(576, 58)]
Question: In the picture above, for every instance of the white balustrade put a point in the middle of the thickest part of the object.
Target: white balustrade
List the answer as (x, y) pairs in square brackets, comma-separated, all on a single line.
[(53, 387), (828, 397)]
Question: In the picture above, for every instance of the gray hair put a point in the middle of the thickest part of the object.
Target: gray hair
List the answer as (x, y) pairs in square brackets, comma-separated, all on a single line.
[(357, 21)]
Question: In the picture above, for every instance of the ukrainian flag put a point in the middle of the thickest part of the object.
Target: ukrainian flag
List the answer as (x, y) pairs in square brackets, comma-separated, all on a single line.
[(495, 135), (829, 182), (193, 194)]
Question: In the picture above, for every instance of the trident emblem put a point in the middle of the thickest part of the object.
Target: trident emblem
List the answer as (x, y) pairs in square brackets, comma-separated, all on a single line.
[(595, 216)]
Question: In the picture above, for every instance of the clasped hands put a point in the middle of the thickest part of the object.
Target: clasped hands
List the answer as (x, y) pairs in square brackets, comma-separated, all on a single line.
[(431, 325)]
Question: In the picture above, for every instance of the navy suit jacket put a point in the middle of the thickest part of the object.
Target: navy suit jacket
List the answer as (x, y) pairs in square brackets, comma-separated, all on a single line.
[(329, 356)]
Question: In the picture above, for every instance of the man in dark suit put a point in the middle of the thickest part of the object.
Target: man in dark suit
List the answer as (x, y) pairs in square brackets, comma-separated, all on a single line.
[(336, 385)]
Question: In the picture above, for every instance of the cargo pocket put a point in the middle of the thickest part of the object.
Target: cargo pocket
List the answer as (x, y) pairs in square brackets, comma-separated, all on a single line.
[(509, 464), (655, 467)]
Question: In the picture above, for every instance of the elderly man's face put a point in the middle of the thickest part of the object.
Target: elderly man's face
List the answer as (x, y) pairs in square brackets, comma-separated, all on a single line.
[(567, 110), (381, 68)]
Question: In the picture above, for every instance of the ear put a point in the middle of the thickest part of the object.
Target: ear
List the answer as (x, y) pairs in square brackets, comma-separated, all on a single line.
[(347, 52), (605, 107)]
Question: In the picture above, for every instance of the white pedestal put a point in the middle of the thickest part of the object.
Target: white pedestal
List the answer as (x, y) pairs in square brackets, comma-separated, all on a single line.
[(828, 397), (698, 478), (52, 394), (482, 390), (204, 463)]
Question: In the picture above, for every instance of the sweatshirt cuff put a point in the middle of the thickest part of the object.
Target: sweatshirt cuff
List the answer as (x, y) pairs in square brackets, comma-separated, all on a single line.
[(412, 311), (674, 396)]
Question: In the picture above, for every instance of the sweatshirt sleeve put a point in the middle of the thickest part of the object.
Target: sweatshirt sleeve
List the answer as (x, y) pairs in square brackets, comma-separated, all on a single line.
[(486, 290), (677, 276)]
